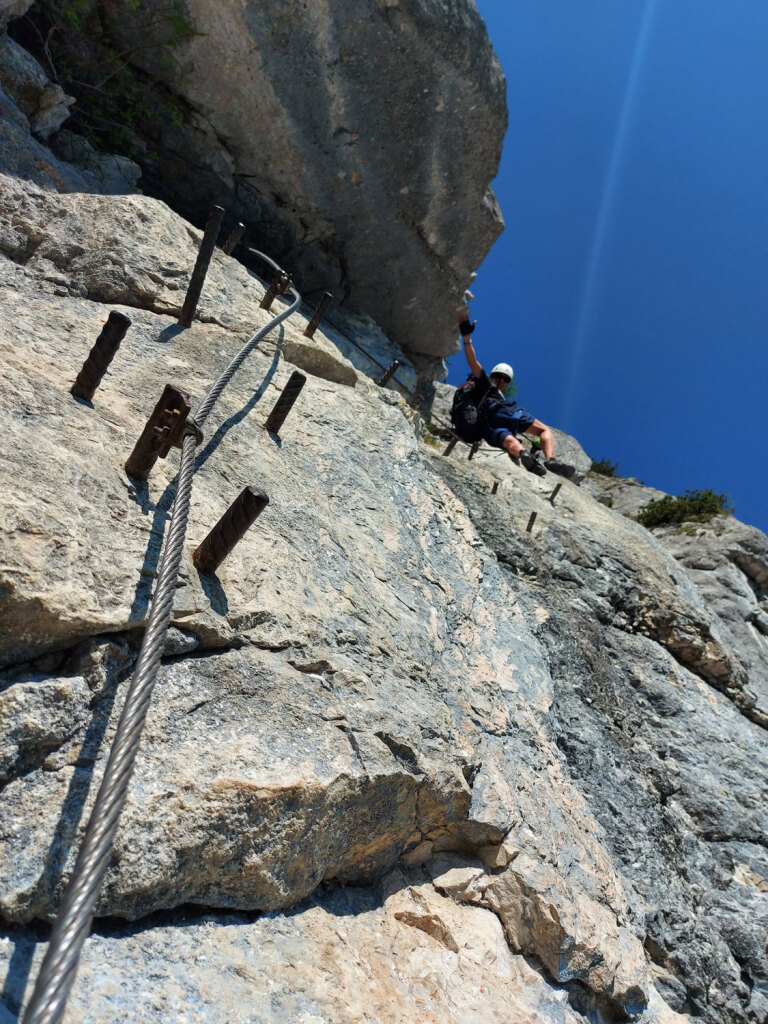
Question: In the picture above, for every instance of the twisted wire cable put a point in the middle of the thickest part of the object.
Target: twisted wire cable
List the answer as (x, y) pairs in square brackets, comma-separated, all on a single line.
[(59, 966), (352, 341), (210, 399)]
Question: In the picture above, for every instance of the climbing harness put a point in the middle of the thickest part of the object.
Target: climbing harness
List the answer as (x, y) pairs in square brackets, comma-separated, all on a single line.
[(59, 966)]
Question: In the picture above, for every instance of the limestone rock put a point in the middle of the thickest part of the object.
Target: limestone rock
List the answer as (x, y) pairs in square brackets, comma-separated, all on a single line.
[(30, 102), (645, 738), (358, 140), (369, 349), (542, 750), (116, 175), (42, 101), (351, 956), (10, 9), (23, 156), (728, 562), (626, 494), (337, 798)]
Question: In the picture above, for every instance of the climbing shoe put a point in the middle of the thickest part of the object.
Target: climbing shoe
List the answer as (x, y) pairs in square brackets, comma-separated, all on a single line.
[(560, 468), (532, 462)]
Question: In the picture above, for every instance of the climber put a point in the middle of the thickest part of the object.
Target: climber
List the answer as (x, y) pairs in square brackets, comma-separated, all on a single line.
[(481, 409)]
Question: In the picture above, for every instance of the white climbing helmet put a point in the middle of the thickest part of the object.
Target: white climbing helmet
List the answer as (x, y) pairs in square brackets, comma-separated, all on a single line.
[(504, 368)]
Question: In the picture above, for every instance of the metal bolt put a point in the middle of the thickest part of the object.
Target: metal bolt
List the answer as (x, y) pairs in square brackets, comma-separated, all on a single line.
[(495, 486), (473, 450), (554, 494), (318, 315), (278, 286), (202, 263), (285, 402), (164, 427), (237, 233), (100, 356), (388, 373), (451, 445), (531, 521), (230, 529)]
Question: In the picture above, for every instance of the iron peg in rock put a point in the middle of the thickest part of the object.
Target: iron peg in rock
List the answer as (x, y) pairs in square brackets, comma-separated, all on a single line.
[(280, 284), (164, 429), (531, 521), (554, 494), (237, 233), (317, 316), (388, 373), (285, 402), (451, 445), (202, 263), (100, 356), (495, 486), (230, 529), (473, 450)]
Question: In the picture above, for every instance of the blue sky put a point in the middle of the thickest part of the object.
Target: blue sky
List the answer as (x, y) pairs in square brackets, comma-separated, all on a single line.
[(630, 287)]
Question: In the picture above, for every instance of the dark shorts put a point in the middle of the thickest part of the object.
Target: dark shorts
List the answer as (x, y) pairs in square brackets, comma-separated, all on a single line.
[(503, 419)]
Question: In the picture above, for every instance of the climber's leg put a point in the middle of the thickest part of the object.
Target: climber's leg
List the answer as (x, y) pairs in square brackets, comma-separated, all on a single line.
[(545, 436)]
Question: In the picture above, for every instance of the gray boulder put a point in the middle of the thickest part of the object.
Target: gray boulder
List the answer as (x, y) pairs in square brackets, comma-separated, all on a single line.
[(23, 156), (43, 102), (32, 108), (10, 9), (115, 175)]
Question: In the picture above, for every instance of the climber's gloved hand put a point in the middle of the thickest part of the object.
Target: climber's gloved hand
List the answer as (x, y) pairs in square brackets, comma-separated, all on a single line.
[(466, 327)]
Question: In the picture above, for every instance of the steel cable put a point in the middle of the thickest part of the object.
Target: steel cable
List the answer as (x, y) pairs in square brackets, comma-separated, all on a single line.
[(59, 966)]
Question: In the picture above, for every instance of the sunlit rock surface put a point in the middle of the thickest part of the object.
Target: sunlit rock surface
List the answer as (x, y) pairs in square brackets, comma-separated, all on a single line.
[(401, 952), (453, 769), (355, 139)]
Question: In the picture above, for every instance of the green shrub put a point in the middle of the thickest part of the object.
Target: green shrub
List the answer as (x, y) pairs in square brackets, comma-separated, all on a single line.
[(692, 506), (604, 467)]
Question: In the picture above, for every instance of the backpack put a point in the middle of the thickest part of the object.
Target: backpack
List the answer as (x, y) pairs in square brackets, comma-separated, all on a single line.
[(464, 414)]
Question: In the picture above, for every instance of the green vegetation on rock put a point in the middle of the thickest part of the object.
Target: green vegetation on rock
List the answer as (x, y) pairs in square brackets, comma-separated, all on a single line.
[(90, 48), (691, 506), (603, 467)]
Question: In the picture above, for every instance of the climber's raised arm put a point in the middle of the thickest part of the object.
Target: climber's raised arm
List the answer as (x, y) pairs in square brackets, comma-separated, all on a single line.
[(466, 329)]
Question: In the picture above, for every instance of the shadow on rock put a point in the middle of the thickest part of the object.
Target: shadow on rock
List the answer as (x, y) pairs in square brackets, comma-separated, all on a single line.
[(171, 332), (214, 591), (164, 503)]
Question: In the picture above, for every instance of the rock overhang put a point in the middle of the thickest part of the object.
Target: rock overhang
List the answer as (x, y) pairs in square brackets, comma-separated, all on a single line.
[(356, 140)]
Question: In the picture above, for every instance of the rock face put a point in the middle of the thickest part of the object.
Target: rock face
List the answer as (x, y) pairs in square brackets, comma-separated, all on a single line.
[(357, 140), (44, 103), (32, 105), (10, 9), (450, 769), (22, 155), (114, 174), (727, 561), (351, 956)]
